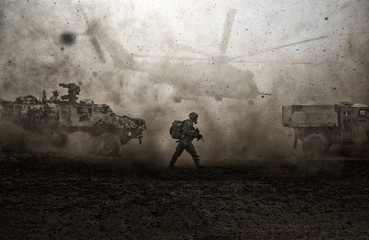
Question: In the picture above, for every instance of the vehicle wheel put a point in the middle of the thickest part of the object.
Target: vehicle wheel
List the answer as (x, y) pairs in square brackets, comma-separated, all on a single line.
[(108, 145), (316, 144)]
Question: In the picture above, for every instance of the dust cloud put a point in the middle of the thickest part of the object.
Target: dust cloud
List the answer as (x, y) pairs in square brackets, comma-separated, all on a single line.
[(162, 60)]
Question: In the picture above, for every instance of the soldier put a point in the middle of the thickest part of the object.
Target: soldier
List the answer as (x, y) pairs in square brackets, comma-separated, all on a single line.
[(188, 133), (54, 98), (43, 96)]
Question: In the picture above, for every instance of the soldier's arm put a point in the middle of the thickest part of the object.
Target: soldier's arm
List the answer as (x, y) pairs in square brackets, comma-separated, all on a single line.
[(186, 129)]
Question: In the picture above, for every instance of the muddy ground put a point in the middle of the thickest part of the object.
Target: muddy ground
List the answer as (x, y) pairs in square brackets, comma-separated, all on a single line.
[(44, 196)]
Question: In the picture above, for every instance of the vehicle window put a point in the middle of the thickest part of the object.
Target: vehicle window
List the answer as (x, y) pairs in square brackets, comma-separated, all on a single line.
[(364, 112)]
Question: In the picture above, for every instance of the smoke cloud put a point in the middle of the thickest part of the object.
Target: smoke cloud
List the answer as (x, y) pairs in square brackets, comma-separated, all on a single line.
[(162, 60)]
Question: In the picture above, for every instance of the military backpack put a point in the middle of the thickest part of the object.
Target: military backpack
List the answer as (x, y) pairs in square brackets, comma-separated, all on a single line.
[(176, 129)]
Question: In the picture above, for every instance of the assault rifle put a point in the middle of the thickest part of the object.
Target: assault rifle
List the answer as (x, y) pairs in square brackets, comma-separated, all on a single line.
[(198, 135)]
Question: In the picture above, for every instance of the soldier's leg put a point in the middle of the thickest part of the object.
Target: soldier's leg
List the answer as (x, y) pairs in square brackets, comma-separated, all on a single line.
[(177, 153), (190, 148)]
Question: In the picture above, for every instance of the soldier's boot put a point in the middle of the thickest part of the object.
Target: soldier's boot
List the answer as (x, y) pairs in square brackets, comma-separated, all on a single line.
[(171, 166), (197, 163), (172, 162)]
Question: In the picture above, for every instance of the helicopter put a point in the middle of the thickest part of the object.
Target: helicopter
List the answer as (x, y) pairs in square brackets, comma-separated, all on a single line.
[(191, 77)]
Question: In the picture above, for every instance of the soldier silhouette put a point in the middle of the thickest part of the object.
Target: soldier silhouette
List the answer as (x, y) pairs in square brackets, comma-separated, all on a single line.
[(54, 97), (188, 133), (43, 96)]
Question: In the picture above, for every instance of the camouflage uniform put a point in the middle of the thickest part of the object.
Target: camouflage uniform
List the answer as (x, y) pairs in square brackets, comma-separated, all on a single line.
[(43, 96), (54, 98), (185, 143)]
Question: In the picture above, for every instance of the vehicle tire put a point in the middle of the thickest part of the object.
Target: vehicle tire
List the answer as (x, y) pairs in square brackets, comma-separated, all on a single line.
[(108, 145), (316, 144)]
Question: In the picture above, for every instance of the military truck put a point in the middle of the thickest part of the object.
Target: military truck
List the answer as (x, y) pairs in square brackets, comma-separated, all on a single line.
[(66, 115), (321, 126)]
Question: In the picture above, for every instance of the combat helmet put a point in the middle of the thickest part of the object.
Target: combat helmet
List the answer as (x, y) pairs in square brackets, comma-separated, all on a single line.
[(193, 116)]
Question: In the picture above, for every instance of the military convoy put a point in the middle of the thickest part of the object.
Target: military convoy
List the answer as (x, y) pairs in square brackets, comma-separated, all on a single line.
[(320, 126), (317, 126), (66, 115)]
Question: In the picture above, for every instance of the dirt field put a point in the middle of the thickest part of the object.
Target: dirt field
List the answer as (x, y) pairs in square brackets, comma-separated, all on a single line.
[(49, 197)]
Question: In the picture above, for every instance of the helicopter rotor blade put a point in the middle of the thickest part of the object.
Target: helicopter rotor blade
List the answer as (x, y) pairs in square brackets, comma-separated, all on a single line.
[(80, 10), (271, 62), (91, 28), (192, 50), (209, 60), (170, 57), (279, 47), (227, 31), (263, 93), (97, 48)]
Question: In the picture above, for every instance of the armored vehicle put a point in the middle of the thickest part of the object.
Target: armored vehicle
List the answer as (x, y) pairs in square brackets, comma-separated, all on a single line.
[(320, 126), (66, 115)]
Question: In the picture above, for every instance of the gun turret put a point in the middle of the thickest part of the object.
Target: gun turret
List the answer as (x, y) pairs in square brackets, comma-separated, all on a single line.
[(73, 91)]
